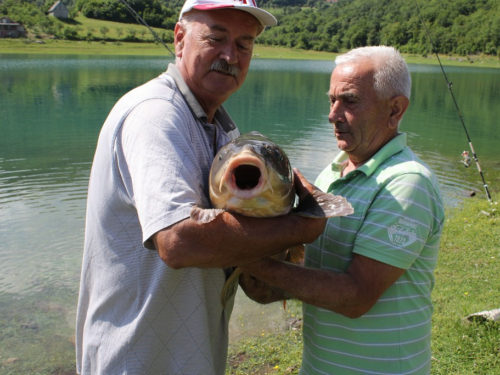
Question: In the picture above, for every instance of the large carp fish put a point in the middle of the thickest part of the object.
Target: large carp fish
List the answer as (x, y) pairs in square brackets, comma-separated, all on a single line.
[(252, 176)]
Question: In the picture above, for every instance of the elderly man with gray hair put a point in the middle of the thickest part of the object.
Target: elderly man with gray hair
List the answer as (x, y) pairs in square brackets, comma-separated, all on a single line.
[(151, 276), (367, 280)]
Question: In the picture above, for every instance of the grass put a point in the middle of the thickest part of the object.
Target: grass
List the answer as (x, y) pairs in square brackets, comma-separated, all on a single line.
[(83, 48), (278, 352), (54, 46), (116, 30), (116, 42), (467, 281), (150, 48)]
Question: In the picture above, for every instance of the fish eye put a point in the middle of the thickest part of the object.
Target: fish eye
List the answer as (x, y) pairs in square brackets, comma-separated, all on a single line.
[(278, 154), (263, 148)]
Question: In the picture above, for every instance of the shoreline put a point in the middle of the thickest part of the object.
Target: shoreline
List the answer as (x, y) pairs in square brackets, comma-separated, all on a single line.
[(101, 48)]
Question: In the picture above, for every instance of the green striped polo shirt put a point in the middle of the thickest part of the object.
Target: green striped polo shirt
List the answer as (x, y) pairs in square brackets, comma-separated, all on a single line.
[(398, 219)]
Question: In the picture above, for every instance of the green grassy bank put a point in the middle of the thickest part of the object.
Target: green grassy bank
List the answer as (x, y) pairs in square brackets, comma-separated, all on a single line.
[(53, 46), (149, 48), (467, 281)]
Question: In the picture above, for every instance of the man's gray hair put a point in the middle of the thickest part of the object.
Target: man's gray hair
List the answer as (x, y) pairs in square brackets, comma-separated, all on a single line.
[(391, 76), (189, 17)]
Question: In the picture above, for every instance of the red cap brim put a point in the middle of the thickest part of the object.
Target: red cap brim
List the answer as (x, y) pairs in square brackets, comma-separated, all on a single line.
[(212, 6)]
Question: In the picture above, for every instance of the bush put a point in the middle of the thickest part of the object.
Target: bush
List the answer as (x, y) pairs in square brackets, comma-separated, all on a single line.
[(69, 33), (154, 12)]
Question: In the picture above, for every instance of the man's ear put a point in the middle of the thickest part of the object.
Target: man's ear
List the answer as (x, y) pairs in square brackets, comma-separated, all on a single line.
[(179, 34), (398, 104)]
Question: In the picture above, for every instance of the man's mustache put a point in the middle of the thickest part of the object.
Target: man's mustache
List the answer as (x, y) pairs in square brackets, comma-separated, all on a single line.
[(223, 67)]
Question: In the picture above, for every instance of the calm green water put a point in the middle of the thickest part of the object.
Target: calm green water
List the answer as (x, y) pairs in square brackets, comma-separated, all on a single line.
[(52, 108)]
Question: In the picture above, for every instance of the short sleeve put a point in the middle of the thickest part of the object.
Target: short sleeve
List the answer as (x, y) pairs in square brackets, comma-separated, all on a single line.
[(159, 165), (399, 222)]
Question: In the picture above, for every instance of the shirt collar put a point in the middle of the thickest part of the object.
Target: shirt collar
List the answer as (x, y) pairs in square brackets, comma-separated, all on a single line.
[(221, 114), (391, 148)]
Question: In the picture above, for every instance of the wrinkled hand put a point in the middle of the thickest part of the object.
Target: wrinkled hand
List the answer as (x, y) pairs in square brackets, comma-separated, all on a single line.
[(259, 291), (304, 189)]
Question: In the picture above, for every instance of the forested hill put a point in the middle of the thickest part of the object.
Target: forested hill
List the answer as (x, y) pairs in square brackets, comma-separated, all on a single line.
[(457, 26)]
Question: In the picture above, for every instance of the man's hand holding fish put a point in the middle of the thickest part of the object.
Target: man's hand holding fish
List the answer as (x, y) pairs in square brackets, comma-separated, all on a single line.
[(232, 239)]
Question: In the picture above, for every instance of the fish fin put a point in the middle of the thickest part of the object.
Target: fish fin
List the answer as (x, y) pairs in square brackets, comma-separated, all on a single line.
[(230, 287), (320, 204), (204, 215), (296, 254)]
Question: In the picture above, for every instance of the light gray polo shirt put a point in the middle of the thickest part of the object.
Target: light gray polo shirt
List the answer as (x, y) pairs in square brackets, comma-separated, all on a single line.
[(135, 314)]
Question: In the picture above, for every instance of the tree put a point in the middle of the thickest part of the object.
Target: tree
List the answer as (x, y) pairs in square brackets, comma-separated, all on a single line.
[(104, 30), (131, 33), (90, 34)]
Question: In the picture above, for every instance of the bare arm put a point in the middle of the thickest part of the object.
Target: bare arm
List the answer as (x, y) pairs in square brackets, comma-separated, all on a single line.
[(351, 294), (232, 240)]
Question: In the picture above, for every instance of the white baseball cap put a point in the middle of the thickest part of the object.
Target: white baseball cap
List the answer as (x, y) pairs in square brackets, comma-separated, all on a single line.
[(250, 6)]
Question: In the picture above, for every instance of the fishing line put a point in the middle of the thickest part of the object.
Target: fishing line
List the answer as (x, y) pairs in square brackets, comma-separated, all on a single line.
[(449, 84), (139, 19)]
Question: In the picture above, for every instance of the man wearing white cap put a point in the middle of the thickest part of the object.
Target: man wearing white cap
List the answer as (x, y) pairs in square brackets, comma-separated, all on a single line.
[(151, 277)]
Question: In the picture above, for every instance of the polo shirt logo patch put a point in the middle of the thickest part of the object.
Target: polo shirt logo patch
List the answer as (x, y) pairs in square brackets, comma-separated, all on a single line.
[(403, 233)]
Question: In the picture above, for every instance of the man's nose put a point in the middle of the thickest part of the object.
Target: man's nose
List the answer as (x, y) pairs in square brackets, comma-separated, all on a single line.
[(336, 112), (230, 53)]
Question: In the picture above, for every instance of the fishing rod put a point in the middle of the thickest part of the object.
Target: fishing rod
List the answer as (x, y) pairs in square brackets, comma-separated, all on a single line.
[(139, 19), (465, 154)]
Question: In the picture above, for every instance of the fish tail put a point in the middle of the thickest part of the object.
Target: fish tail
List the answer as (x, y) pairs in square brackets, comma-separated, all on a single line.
[(230, 287)]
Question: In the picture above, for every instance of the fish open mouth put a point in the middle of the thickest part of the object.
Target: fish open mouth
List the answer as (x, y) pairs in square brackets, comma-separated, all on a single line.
[(246, 177), (252, 176)]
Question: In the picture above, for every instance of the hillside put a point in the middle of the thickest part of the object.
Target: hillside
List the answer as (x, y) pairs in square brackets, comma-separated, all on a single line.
[(457, 26), (461, 27)]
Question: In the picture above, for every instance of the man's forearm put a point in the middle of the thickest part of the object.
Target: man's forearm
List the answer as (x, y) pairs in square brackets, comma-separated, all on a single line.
[(321, 288), (232, 240), (351, 294)]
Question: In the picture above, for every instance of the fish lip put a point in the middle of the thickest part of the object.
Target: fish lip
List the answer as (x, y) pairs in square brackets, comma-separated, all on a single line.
[(245, 158)]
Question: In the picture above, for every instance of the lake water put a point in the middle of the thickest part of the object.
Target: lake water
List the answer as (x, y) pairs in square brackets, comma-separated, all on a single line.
[(52, 108)]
